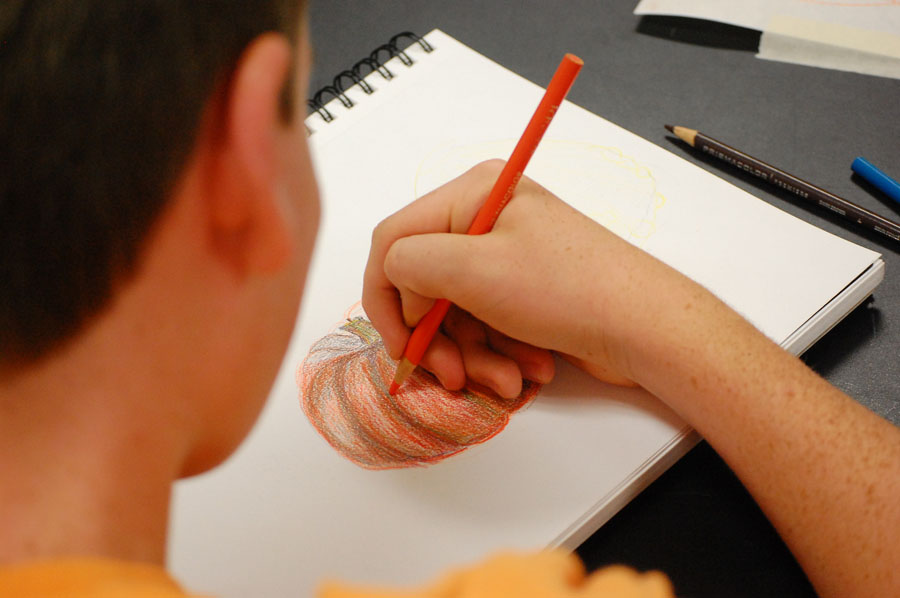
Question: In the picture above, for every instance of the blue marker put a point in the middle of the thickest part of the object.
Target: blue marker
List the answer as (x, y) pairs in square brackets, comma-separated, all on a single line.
[(867, 170)]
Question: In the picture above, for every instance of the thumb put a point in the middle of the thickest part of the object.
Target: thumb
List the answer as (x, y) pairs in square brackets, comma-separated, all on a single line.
[(431, 266)]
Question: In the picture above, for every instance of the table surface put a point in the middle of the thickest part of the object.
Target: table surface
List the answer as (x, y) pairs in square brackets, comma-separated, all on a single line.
[(696, 523)]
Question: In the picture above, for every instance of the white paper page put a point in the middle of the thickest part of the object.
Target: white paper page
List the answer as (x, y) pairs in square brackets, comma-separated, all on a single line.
[(287, 510), (861, 36), (873, 15), (832, 45)]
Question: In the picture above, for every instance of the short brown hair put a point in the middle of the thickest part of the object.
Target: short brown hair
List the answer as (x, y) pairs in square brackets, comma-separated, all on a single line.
[(99, 106)]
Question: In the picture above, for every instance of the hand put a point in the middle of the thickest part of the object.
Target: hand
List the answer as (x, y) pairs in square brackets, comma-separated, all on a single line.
[(540, 278), (823, 468)]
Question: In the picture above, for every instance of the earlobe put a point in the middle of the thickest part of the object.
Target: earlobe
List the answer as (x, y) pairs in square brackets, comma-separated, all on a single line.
[(245, 220)]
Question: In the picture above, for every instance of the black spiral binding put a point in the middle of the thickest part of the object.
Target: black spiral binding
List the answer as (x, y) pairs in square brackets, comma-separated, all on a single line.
[(374, 62)]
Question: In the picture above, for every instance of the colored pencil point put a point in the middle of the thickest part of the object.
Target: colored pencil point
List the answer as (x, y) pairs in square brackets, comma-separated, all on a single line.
[(404, 369)]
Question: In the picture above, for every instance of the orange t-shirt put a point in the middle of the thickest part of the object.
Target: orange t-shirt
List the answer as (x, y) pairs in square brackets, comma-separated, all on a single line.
[(549, 574), (87, 578)]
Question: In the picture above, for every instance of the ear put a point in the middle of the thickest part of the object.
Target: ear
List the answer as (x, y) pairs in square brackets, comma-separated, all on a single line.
[(247, 226)]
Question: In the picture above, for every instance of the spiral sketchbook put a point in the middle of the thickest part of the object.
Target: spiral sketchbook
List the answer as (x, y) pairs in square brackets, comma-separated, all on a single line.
[(287, 510)]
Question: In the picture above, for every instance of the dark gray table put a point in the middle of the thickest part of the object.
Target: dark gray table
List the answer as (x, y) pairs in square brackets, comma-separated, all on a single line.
[(696, 523)]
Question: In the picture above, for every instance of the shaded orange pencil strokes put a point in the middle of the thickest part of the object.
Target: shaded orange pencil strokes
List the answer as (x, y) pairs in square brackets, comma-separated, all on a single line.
[(344, 394)]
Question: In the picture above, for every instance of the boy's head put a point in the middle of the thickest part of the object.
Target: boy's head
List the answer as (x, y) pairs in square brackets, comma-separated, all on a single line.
[(99, 110), (157, 204)]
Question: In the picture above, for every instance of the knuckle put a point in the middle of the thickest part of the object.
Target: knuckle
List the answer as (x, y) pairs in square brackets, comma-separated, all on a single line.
[(380, 231), (489, 169), (392, 259)]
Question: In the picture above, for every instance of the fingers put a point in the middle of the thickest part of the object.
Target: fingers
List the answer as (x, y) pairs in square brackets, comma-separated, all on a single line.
[(518, 278), (431, 266), (382, 306), (483, 365), (444, 359), (494, 360), (449, 208), (534, 363)]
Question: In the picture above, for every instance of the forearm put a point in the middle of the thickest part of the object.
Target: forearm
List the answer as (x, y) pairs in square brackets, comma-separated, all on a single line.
[(825, 470)]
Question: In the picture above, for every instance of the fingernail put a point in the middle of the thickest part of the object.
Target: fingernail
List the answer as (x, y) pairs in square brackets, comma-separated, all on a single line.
[(512, 391), (537, 372)]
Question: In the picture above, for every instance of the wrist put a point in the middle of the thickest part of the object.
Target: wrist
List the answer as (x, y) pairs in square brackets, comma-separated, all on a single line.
[(654, 325)]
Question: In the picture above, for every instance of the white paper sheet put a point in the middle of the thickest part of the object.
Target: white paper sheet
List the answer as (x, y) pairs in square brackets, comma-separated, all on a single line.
[(853, 35), (287, 510)]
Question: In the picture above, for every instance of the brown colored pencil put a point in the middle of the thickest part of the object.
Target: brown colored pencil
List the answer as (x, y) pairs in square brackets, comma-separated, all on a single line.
[(788, 182)]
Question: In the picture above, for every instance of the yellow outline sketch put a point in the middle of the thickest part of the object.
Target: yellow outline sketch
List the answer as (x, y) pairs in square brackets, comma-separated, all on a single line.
[(608, 185)]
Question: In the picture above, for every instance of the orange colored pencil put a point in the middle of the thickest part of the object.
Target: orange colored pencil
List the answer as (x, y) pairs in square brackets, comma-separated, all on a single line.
[(500, 195)]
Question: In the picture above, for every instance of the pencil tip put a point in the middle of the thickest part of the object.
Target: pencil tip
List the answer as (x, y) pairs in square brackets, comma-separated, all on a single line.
[(670, 128), (404, 369)]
